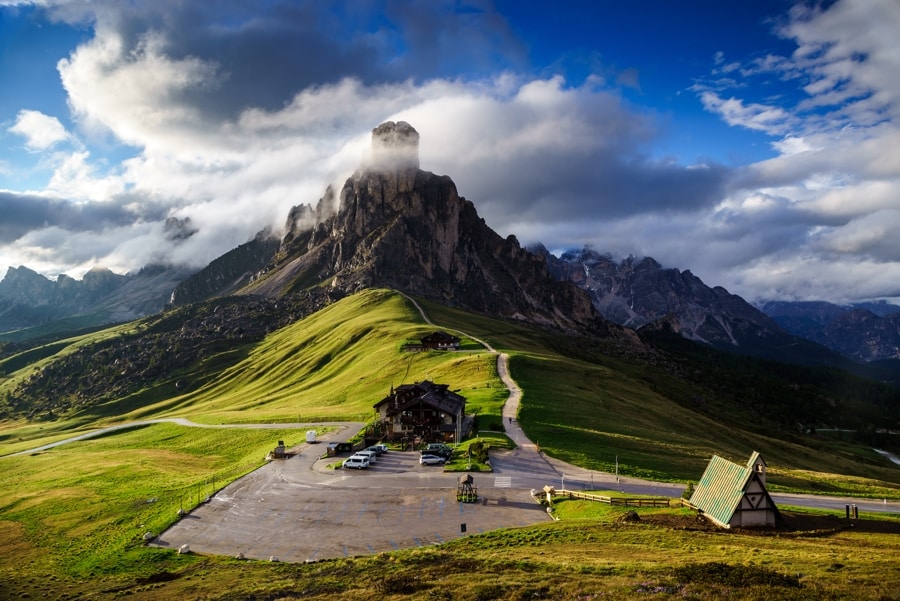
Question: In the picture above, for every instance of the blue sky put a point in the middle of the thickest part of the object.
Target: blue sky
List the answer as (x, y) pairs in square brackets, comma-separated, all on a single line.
[(752, 142)]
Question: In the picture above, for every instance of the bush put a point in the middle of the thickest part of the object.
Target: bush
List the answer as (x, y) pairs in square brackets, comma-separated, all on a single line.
[(478, 452)]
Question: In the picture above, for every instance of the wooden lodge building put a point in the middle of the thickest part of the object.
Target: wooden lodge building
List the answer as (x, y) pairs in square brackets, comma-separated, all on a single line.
[(424, 410), (435, 341), (735, 496)]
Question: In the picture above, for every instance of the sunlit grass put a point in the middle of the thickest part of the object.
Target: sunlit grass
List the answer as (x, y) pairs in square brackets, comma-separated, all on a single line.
[(89, 503)]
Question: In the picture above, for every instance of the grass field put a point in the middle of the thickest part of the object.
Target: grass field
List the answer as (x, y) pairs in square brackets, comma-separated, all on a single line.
[(583, 556), (71, 519)]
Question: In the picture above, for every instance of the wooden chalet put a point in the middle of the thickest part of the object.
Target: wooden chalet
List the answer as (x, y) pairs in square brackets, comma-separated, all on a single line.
[(735, 496), (436, 341), (424, 410), (441, 341)]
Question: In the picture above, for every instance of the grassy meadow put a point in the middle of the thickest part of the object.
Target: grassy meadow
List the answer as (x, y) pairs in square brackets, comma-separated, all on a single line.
[(72, 518)]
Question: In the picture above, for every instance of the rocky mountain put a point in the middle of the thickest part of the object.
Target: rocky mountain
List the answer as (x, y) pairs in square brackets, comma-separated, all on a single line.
[(228, 273), (29, 299), (864, 332), (635, 292), (395, 225), (641, 294)]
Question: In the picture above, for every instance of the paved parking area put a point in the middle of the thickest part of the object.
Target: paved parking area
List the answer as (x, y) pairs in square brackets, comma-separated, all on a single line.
[(300, 510)]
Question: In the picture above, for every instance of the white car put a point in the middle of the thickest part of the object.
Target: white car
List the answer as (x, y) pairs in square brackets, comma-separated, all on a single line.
[(431, 460), (372, 455), (359, 462)]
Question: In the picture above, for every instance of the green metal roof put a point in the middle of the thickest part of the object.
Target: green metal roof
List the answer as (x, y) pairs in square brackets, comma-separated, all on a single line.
[(721, 488)]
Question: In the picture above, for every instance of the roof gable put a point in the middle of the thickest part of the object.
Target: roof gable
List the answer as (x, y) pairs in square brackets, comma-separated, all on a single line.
[(721, 489), (435, 395)]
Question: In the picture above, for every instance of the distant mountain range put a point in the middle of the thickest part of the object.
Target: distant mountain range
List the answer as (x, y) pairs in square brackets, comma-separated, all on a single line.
[(395, 225), (640, 293), (28, 299), (862, 331)]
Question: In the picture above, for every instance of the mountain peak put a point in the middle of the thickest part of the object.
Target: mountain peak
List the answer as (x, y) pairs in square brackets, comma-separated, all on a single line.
[(395, 147), (400, 227)]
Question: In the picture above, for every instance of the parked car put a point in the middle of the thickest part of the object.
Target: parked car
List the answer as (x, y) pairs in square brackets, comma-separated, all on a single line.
[(359, 462), (378, 449), (370, 454), (439, 449), (431, 460), (383, 447)]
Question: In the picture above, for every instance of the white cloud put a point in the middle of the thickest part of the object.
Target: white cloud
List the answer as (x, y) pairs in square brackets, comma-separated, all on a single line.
[(768, 119), (506, 144), (138, 93), (40, 131), (873, 235), (821, 215)]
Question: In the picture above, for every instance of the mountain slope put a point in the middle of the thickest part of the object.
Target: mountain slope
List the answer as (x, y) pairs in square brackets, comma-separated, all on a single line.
[(662, 415), (228, 273), (865, 332)]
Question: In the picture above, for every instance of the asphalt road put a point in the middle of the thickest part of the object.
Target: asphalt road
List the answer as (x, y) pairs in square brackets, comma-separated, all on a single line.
[(299, 509)]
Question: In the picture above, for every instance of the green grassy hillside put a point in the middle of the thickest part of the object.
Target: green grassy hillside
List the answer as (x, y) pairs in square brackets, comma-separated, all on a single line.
[(77, 513), (335, 365)]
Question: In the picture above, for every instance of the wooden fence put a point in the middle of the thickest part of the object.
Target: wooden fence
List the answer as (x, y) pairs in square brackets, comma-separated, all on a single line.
[(622, 501)]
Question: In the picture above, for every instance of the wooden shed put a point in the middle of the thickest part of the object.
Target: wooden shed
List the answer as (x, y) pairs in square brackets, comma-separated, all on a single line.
[(735, 496)]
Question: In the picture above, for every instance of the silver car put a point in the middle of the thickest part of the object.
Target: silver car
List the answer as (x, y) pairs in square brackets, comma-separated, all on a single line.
[(359, 462)]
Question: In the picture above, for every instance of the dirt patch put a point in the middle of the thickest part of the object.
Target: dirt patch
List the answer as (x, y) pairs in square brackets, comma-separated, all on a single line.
[(679, 521), (809, 523), (796, 523)]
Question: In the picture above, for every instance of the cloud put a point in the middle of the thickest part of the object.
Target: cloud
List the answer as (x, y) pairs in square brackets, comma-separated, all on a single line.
[(40, 131), (872, 235), (768, 119), (24, 213), (535, 149), (197, 63)]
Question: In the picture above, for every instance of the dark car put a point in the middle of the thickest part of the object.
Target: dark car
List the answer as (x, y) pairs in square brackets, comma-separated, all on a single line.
[(439, 449)]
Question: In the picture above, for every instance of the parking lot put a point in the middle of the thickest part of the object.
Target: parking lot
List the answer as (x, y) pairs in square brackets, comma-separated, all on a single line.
[(299, 509)]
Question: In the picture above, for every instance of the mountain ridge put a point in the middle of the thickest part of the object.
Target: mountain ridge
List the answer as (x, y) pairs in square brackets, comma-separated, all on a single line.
[(641, 293), (28, 299), (865, 332)]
